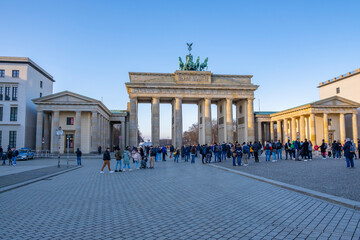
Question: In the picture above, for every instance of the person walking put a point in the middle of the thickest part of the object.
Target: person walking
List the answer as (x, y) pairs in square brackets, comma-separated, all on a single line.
[(15, 153), (349, 151), (106, 158), (118, 157), (257, 148), (152, 157), (78, 157), (267, 151), (126, 159), (193, 153)]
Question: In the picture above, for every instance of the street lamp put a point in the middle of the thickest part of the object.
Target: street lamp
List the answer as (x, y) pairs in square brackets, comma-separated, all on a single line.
[(59, 132)]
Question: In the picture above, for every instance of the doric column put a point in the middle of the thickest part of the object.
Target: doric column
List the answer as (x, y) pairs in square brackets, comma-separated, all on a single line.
[(39, 130), (47, 131), (271, 131), (312, 129), (342, 128), (278, 130), (155, 121), (250, 115), (55, 126), (133, 122), (207, 121), (259, 132), (123, 134), (326, 129), (286, 130), (94, 132), (293, 129), (178, 129), (77, 130), (229, 121), (302, 128), (354, 128), (201, 121)]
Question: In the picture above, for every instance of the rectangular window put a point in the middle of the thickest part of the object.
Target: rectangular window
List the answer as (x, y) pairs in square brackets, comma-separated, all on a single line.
[(13, 114), (15, 73), (1, 138), (1, 93), (337, 90), (70, 121), (1, 114), (41, 84), (12, 139), (2, 73), (7, 93), (329, 122), (40, 94), (14, 93)]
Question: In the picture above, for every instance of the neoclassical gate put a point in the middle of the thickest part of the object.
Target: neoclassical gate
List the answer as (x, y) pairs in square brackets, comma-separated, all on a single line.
[(202, 88)]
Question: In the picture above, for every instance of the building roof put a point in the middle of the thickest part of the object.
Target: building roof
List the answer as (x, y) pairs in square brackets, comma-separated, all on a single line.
[(339, 78), (25, 60), (118, 111), (264, 113)]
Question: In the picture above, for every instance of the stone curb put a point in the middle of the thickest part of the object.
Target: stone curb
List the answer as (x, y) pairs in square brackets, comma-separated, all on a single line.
[(323, 196), (14, 186)]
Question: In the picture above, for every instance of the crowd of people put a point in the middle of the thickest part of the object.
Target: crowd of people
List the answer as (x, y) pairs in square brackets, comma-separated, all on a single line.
[(145, 157), (10, 155)]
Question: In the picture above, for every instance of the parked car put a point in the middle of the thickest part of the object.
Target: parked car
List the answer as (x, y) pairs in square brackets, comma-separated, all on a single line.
[(25, 154)]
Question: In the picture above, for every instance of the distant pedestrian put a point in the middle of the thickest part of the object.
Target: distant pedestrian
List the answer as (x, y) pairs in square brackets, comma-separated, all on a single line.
[(4, 157), (152, 156), (118, 157), (349, 151), (9, 155), (193, 154), (99, 150), (176, 155), (106, 158), (323, 148), (78, 157), (126, 158)]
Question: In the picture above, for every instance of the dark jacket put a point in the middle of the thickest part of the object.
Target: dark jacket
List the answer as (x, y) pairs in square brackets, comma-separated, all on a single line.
[(78, 153), (347, 152), (106, 155)]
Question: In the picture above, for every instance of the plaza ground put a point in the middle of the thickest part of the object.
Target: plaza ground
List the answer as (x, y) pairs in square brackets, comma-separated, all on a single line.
[(172, 201)]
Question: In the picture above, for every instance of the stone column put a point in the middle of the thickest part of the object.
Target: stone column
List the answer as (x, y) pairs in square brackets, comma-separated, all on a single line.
[(77, 130), (133, 122), (312, 129), (259, 132), (278, 130), (293, 128), (326, 129), (155, 121), (55, 139), (302, 128), (123, 134), (229, 121), (94, 132), (342, 128), (250, 109), (271, 131), (47, 131), (207, 121), (39, 130), (201, 121), (354, 128), (178, 123), (286, 132)]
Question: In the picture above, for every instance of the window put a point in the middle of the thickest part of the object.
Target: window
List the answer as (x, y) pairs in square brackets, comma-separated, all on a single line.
[(221, 120), (240, 109), (220, 109), (0, 138), (337, 90), (15, 73), (41, 84), (12, 139), (2, 73), (7, 93), (14, 93), (1, 93), (200, 120), (70, 121), (329, 122), (13, 114), (40, 94), (1, 114)]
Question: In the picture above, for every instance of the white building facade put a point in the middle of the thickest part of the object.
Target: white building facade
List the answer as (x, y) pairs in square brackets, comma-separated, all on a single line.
[(21, 80)]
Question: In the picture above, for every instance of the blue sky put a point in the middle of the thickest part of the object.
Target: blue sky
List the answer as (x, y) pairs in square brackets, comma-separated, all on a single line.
[(90, 46)]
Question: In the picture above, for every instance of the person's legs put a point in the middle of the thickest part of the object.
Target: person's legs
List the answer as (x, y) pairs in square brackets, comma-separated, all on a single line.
[(239, 160), (137, 164), (14, 159), (234, 163), (351, 162), (256, 154), (192, 158), (347, 162), (108, 164), (245, 159), (103, 166)]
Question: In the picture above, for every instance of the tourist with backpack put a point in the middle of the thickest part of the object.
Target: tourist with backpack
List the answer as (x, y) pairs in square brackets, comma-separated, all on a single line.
[(238, 154), (349, 151), (246, 152), (126, 159), (267, 151), (323, 148), (118, 157), (193, 153), (279, 149)]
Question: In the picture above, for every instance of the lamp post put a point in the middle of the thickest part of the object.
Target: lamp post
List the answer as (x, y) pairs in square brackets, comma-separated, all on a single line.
[(59, 132), (68, 146)]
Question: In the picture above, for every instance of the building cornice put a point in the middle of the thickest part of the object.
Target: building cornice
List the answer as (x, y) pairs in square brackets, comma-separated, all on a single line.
[(339, 78)]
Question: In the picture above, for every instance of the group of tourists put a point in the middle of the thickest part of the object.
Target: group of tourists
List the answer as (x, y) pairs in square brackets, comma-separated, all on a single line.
[(10, 155), (146, 156)]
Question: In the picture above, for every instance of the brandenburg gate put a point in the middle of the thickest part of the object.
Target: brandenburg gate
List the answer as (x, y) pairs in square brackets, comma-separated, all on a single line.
[(193, 85)]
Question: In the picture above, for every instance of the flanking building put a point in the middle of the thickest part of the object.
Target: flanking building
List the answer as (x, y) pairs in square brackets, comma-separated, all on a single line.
[(21, 80)]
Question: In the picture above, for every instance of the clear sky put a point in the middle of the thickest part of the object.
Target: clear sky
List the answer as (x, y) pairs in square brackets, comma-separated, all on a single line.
[(90, 46)]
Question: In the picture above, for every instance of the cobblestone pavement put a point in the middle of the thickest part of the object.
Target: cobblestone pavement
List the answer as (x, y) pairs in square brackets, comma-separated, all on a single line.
[(324, 175), (172, 201)]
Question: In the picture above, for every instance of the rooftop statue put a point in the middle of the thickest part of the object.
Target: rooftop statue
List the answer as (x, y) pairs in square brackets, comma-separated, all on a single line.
[(189, 63)]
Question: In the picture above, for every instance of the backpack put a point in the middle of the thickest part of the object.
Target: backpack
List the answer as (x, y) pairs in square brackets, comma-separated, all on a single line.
[(267, 147), (326, 146), (238, 152), (352, 148)]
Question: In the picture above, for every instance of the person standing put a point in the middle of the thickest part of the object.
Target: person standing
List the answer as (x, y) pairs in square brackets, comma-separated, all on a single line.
[(9, 155), (267, 151), (310, 150), (15, 153), (176, 155), (246, 152), (323, 148), (78, 157), (99, 150), (287, 149), (106, 158), (193, 154), (171, 151), (305, 150), (349, 151), (257, 148), (164, 153), (233, 153), (126, 158), (152, 156), (1, 156), (118, 157)]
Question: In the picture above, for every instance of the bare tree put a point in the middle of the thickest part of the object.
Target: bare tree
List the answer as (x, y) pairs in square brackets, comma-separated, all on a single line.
[(191, 136)]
